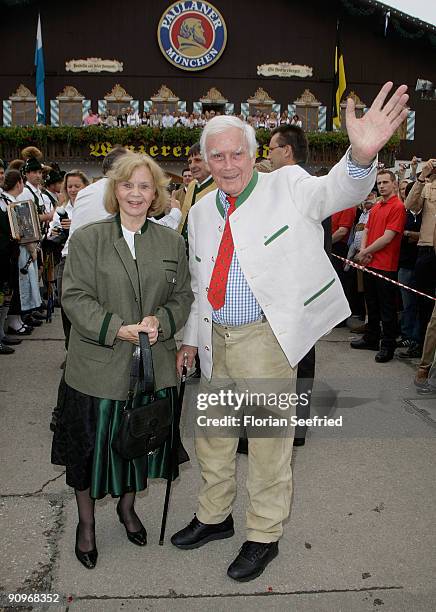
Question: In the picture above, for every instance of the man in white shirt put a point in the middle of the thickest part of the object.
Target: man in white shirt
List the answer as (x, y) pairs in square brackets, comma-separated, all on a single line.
[(132, 118), (167, 120)]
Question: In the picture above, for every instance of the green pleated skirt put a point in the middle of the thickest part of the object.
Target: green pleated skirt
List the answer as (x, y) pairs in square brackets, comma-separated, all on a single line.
[(82, 442)]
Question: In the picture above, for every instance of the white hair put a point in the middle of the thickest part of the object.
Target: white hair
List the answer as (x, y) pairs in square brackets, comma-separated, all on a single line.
[(221, 124)]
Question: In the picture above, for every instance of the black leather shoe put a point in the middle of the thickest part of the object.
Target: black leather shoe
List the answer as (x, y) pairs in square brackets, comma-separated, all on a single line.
[(252, 560), (197, 534), (136, 537), (30, 322), (427, 391), (299, 441), (6, 350), (39, 317), (413, 352), (384, 355), (363, 344), (87, 559), (11, 341)]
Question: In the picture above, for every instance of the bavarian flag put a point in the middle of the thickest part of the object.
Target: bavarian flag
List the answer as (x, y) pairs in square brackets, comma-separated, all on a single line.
[(340, 82)]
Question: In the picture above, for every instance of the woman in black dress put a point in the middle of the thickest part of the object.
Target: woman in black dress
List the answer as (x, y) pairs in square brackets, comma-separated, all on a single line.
[(118, 271)]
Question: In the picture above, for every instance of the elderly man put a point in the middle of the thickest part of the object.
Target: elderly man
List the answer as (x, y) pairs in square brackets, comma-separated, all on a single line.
[(265, 292)]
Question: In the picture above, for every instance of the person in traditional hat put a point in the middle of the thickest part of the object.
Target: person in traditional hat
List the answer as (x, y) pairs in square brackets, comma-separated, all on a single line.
[(52, 187), (32, 172)]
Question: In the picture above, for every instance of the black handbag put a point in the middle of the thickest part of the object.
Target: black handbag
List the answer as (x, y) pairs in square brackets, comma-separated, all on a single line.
[(143, 428)]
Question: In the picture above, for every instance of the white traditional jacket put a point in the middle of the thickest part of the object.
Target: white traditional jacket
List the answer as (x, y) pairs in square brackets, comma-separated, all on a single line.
[(278, 240)]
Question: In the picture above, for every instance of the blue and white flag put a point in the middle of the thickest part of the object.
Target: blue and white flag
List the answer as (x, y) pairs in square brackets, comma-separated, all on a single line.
[(40, 76), (387, 17)]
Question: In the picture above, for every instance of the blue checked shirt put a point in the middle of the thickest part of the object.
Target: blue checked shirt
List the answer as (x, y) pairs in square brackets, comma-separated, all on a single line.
[(240, 306)]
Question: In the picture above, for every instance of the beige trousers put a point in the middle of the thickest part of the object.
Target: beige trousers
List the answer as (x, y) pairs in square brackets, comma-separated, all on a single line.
[(243, 356), (429, 348)]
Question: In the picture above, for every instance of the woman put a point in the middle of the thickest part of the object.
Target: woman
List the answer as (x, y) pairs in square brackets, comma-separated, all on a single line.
[(9, 252), (296, 121), (25, 285), (118, 271), (402, 189), (73, 182)]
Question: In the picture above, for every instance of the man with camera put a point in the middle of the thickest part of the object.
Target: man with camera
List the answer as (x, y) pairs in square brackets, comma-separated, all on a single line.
[(423, 196)]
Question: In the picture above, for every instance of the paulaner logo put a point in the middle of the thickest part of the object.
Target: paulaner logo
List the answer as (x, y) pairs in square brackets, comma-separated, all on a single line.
[(192, 35)]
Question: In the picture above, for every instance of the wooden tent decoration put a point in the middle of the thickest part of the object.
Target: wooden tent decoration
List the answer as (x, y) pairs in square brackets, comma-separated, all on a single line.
[(22, 95), (164, 94), (307, 99), (213, 96), (70, 94), (118, 94), (261, 97)]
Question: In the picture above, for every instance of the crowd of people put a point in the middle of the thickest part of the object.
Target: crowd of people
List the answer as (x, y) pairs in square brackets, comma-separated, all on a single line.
[(119, 248), (129, 117)]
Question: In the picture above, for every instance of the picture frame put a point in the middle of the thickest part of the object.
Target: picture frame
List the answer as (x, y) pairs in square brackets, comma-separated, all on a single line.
[(24, 222)]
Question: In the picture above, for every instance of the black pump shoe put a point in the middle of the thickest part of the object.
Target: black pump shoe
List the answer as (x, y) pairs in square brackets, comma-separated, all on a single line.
[(87, 559), (136, 537)]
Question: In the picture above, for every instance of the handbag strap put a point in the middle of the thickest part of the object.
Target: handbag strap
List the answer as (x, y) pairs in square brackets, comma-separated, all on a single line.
[(141, 371), (146, 365)]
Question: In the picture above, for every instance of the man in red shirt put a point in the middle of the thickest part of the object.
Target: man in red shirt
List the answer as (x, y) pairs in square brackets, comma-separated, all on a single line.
[(380, 250)]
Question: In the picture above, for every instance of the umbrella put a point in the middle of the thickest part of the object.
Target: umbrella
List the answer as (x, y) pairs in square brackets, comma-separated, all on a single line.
[(177, 414)]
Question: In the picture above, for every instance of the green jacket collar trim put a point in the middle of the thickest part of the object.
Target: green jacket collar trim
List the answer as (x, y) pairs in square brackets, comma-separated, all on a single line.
[(201, 186), (118, 221), (242, 196)]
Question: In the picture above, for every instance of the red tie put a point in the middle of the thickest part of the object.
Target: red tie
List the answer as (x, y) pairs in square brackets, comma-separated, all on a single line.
[(218, 282)]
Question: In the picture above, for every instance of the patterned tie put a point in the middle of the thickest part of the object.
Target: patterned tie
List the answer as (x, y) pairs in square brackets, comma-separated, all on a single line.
[(218, 282)]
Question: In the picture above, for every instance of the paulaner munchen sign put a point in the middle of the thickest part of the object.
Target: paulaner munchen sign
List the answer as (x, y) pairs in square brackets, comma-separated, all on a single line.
[(192, 35)]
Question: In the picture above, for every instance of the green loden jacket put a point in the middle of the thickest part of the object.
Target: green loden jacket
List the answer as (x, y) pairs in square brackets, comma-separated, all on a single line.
[(104, 288)]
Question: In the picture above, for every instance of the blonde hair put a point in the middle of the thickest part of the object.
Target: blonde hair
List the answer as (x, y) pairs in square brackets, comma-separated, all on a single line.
[(123, 169), (81, 175)]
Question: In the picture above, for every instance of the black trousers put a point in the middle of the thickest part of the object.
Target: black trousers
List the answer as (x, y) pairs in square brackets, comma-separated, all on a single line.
[(341, 249), (305, 376), (425, 274), (381, 302)]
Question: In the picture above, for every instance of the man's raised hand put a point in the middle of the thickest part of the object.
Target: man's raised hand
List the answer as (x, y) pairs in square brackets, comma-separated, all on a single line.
[(371, 132)]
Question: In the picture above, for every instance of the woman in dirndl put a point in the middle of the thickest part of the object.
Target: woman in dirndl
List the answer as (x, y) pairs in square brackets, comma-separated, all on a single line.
[(123, 275)]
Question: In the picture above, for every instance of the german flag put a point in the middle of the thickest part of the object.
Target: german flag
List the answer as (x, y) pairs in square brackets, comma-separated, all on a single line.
[(340, 82)]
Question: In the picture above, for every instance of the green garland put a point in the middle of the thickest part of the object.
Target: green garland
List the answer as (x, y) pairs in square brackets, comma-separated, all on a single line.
[(404, 33), (359, 11), (41, 136)]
